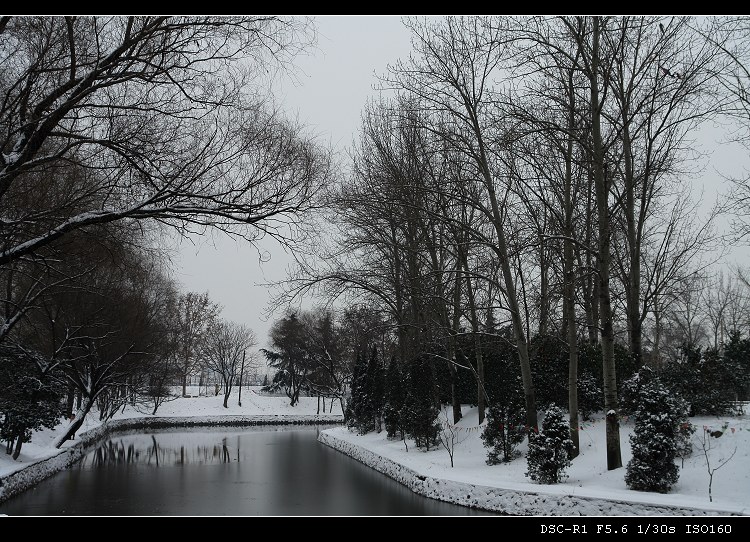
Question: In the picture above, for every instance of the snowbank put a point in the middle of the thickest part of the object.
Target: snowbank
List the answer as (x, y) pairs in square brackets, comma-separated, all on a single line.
[(505, 489)]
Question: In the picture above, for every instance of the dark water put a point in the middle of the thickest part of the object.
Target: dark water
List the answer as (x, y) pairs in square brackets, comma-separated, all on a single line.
[(261, 471)]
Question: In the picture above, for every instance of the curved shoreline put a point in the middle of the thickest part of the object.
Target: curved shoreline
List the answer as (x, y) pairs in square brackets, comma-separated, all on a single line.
[(33, 473), (509, 501)]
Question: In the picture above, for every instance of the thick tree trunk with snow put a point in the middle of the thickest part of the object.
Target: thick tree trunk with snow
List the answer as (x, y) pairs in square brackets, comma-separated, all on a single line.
[(76, 423)]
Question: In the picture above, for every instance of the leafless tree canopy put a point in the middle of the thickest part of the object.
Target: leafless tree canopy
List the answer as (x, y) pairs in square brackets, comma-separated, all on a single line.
[(164, 118), (122, 119), (533, 174), (223, 351)]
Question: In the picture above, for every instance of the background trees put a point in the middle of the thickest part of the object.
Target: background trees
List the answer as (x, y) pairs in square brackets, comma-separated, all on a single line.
[(224, 351), (112, 119), (115, 127), (195, 315), (532, 176)]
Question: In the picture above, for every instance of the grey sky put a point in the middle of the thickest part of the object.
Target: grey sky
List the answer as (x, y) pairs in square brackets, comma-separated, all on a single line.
[(330, 88)]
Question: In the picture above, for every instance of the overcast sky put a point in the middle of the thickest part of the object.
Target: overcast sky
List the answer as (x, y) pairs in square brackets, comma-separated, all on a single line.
[(332, 85), (330, 88)]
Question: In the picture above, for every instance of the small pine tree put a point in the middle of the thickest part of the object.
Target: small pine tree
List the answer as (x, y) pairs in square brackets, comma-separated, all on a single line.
[(630, 390), (394, 399), (505, 428), (548, 451), (660, 418), (420, 411)]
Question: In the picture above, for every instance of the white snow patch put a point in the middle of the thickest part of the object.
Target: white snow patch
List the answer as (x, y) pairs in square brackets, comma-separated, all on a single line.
[(590, 489)]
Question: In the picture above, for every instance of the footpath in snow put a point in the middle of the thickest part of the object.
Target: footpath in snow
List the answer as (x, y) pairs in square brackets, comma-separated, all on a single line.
[(590, 489), (40, 459)]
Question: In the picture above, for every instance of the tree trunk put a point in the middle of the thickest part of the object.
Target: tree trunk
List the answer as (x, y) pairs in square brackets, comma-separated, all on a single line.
[(70, 400), (614, 458), (455, 403), (543, 289), (633, 303), (591, 296), (452, 348), (655, 354), (569, 287), (19, 443), (76, 423), (242, 373), (573, 351), (510, 289), (481, 396), (184, 385), (227, 390)]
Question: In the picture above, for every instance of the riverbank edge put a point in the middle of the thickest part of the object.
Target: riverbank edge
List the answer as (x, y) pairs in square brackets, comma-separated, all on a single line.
[(512, 502), (27, 477)]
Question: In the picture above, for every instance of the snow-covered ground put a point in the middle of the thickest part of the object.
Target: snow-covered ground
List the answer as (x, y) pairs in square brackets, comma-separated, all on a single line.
[(258, 406), (473, 482)]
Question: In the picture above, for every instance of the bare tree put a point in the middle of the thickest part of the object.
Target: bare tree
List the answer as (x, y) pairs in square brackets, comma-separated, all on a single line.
[(195, 316), (729, 35), (684, 321), (223, 351), (450, 436), (164, 118), (726, 306), (452, 72)]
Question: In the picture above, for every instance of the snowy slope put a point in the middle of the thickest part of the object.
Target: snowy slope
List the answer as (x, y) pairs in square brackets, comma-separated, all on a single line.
[(590, 488)]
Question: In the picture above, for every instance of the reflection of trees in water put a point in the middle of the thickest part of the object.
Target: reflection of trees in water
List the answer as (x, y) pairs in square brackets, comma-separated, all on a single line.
[(116, 452)]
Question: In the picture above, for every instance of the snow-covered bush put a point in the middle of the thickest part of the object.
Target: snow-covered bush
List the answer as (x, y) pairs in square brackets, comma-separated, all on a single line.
[(29, 399), (660, 418), (548, 451), (705, 378), (630, 389), (590, 397)]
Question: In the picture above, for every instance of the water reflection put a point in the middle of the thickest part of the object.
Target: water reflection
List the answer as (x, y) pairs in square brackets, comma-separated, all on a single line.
[(122, 451), (259, 471)]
